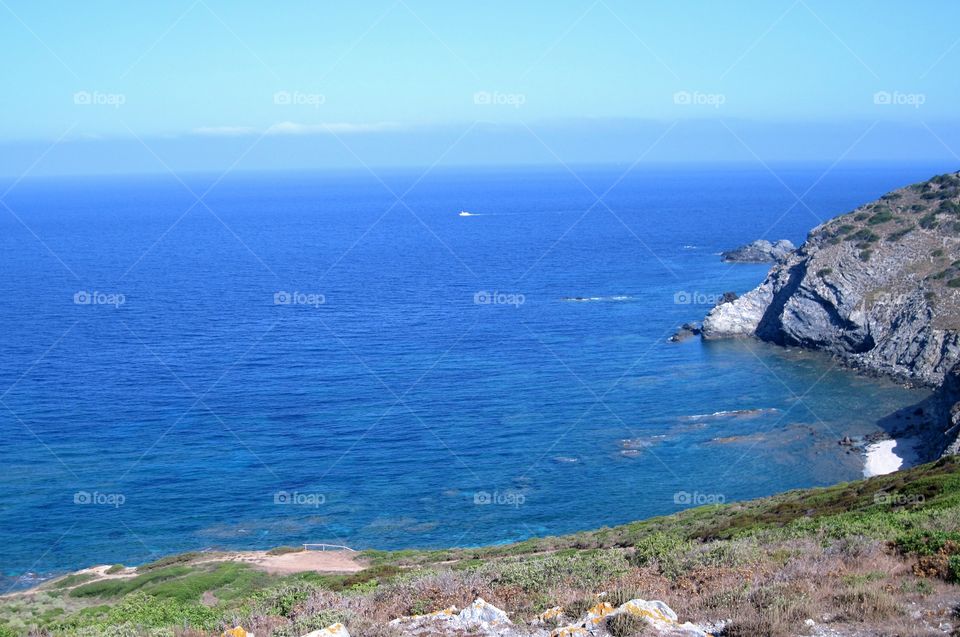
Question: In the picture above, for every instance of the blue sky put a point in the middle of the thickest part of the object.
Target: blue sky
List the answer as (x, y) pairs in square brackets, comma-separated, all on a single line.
[(200, 81)]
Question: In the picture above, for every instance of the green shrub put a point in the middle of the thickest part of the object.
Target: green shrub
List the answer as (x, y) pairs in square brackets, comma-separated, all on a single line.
[(923, 542), (73, 579), (116, 568), (627, 625), (579, 607), (170, 560), (929, 221), (822, 272), (900, 234), (865, 255), (881, 217)]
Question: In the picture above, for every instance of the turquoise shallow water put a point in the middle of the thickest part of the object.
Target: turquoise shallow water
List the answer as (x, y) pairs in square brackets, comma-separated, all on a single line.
[(309, 361)]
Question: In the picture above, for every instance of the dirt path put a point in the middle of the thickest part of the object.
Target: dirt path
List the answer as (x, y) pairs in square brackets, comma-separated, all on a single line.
[(302, 561), (286, 564)]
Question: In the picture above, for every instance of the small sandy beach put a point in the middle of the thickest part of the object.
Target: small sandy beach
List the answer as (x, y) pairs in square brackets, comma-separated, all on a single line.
[(888, 456)]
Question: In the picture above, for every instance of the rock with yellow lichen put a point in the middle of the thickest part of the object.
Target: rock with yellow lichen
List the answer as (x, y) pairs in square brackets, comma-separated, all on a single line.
[(238, 631), (480, 616), (658, 615), (336, 630)]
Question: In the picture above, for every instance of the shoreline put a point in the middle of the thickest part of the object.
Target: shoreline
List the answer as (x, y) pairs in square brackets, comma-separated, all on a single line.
[(887, 456)]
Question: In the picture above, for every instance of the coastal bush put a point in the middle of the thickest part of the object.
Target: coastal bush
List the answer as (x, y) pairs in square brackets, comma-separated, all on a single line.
[(775, 610), (579, 607), (954, 283), (882, 216), (170, 560), (627, 625), (117, 587), (929, 221), (953, 568), (900, 234), (822, 272), (116, 568), (863, 604), (282, 600), (925, 542), (140, 609), (74, 579), (318, 621), (663, 550), (584, 570), (865, 255)]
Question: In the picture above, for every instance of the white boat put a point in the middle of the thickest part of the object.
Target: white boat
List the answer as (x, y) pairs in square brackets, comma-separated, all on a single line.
[(464, 213)]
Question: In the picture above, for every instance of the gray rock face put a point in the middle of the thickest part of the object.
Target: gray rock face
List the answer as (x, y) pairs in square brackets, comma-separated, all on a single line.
[(885, 304), (878, 288), (760, 251)]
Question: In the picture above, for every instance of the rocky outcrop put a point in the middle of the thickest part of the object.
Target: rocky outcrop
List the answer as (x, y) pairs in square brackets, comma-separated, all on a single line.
[(483, 618), (760, 251), (879, 288)]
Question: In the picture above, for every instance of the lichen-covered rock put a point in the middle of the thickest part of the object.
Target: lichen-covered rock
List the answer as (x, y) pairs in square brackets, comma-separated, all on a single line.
[(336, 630), (480, 616), (482, 613), (657, 614)]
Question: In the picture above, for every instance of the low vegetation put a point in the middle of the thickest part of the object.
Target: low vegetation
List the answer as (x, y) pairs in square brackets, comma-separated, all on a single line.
[(866, 553)]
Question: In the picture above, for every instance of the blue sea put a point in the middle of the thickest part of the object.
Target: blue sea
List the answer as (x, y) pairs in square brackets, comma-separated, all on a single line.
[(343, 358)]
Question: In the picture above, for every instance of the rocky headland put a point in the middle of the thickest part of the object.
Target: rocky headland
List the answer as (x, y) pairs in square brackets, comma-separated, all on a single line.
[(878, 288)]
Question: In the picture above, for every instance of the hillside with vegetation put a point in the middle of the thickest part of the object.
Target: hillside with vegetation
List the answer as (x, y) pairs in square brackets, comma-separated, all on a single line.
[(872, 557)]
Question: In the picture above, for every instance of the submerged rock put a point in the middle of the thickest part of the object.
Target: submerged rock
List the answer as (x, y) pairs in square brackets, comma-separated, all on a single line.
[(760, 251), (687, 330)]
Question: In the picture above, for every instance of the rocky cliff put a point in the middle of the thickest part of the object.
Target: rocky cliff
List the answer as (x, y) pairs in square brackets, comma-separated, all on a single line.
[(878, 287)]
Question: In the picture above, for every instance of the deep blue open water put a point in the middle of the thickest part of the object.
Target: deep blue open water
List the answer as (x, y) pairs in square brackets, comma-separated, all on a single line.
[(183, 407)]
